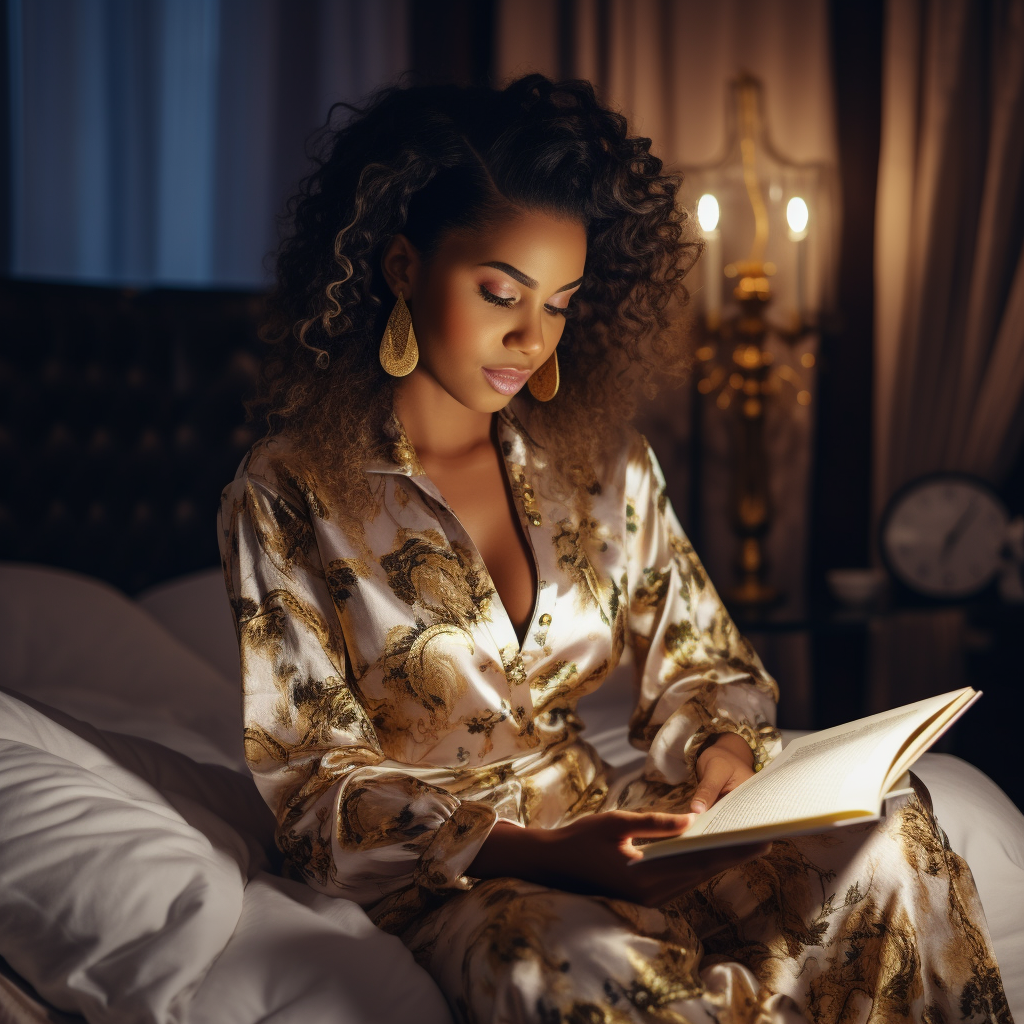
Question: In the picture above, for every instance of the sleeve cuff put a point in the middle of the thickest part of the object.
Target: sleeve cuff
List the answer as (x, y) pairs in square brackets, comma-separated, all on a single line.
[(672, 757), (454, 846), (764, 740)]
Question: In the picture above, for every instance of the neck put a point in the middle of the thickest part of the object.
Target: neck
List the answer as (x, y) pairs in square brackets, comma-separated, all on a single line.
[(437, 425)]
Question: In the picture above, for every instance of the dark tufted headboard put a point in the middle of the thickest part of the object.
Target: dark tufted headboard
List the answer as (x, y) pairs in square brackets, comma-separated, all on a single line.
[(121, 420)]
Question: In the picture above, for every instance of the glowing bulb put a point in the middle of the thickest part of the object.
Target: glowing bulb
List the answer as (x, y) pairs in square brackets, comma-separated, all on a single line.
[(797, 215), (707, 212)]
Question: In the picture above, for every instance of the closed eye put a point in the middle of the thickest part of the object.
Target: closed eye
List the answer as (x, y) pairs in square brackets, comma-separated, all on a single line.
[(498, 300), (567, 311), (505, 302)]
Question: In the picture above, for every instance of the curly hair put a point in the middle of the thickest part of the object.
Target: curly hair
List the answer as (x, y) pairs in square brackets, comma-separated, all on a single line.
[(426, 160)]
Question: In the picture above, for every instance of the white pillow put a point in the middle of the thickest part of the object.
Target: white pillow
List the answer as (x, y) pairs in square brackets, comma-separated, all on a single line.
[(195, 609), (208, 796), (300, 957), (82, 646), (111, 904)]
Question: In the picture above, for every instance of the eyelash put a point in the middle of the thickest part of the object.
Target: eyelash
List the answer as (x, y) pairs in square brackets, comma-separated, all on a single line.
[(497, 300)]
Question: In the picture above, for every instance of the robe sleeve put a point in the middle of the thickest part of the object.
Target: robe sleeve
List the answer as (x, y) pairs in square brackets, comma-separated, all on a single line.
[(351, 823), (697, 676)]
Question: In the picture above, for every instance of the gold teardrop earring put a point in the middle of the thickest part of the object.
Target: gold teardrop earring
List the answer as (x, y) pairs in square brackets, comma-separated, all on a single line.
[(399, 352), (544, 383)]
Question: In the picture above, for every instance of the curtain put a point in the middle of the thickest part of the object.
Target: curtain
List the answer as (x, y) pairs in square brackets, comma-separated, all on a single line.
[(949, 284), (666, 65), (155, 142), (949, 260)]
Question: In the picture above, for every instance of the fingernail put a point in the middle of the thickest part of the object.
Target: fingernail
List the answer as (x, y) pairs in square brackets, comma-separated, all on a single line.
[(698, 806)]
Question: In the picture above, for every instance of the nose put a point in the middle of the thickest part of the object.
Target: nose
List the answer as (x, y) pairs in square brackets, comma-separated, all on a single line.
[(527, 338)]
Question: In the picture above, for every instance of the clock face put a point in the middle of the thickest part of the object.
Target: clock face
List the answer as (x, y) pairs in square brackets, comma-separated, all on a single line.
[(944, 536)]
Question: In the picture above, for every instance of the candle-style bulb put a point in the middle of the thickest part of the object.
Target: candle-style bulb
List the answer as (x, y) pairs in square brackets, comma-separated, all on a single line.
[(797, 215), (707, 217), (707, 212)]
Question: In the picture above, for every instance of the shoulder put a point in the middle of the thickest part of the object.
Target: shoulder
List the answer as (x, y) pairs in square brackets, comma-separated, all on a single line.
[(632, 465), (271, 465)]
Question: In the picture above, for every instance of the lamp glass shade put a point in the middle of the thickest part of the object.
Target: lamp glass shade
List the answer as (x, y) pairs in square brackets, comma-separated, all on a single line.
[(763, 204)]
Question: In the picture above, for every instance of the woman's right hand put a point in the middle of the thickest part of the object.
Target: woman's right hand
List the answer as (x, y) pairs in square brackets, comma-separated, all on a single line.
[(595, 855)]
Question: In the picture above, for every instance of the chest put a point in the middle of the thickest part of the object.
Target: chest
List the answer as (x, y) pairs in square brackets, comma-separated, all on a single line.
[(446, 672), (478, 491)]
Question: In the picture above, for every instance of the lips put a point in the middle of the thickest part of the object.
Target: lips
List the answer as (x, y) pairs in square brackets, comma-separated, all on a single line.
[(506, 380)]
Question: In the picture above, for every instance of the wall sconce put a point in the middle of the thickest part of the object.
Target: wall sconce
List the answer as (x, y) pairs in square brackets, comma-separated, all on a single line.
[(767, 227)]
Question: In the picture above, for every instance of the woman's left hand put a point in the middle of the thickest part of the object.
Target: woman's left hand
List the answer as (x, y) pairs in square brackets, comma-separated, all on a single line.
[(720, 769)]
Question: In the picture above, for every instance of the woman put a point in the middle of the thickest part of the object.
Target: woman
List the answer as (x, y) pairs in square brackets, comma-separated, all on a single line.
[(430, 564)]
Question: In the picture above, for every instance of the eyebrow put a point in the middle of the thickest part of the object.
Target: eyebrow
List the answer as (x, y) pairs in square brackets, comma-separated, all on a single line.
[(518, 275)]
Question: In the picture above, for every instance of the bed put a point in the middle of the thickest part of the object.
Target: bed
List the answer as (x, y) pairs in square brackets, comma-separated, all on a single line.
[(138, 876)]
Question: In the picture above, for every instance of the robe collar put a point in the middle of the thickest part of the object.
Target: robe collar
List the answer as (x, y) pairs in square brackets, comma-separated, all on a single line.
[(401, 458)]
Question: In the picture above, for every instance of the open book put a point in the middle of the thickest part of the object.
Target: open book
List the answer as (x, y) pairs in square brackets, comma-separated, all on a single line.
[(827, 779)]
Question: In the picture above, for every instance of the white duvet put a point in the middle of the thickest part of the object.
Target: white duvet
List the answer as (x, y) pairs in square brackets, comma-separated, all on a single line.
[(136, 858)]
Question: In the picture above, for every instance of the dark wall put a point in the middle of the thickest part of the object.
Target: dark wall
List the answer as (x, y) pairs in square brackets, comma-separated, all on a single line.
[(121, 420), (5, 143), (452, 40)]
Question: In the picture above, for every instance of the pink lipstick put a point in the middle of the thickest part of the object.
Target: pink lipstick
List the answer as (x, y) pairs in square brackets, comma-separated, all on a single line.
[(505, 380)]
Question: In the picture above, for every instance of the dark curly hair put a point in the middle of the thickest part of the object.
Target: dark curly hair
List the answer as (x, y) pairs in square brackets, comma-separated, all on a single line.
[(424, 160)]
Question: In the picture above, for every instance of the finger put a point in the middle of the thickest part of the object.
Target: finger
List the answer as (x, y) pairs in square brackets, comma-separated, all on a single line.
[(676, 827), (711, 785), (631, 824)]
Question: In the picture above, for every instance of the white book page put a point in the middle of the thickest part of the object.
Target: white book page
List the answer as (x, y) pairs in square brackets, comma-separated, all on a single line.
[(834, 772), (826, 776)]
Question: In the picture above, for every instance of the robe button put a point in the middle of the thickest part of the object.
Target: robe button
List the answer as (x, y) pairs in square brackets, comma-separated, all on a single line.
[(545, 619), (535, 520)]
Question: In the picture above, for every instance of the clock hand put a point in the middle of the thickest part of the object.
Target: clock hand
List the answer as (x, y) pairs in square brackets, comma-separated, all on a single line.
[(958, 528)]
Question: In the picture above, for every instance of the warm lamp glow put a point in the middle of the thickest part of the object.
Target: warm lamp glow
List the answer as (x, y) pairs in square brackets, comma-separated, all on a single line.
[(707, 212), (797, 215)]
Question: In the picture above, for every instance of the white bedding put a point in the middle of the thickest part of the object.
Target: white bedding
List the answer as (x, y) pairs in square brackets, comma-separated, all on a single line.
[(153, 686)]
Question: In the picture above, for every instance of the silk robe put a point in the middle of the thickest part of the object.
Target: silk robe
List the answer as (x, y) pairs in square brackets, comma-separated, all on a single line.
[(392, 717)]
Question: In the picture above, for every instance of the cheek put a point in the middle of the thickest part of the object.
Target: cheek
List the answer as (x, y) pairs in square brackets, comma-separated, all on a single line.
[(457, 324)]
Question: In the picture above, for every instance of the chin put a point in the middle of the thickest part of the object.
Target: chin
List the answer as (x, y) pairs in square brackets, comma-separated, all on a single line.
[(490, 403)]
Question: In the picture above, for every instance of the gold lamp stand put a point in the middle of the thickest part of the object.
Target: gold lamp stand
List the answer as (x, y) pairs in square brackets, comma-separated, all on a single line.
[(754, 183), (751, 498)]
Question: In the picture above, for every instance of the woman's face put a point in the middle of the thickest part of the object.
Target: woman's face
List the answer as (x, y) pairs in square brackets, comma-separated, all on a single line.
[(488, 307)]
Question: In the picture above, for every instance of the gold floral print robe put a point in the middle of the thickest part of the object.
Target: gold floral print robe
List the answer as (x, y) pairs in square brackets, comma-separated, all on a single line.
[(392, 716)]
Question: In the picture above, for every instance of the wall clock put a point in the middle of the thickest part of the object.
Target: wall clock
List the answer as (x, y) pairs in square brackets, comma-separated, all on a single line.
[(943, 535)]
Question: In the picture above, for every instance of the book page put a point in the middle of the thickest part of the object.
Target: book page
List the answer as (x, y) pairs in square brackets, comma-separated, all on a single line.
[(828, 778), (808, 784), (917, 744)]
